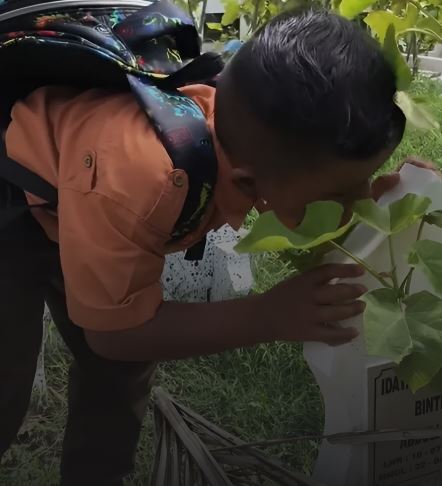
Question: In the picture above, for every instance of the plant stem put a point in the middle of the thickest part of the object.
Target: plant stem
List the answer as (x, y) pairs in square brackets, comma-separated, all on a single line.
[(414, 51), (254, 23), (424, 32), (421, 229), (203, 17), (406, 284), (393, 263), (367, 267), (189, 8), (409, 48), (404, 287)]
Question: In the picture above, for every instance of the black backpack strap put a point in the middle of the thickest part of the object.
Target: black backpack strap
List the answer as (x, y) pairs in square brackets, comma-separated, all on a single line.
[(203, 70), (182, 128), (29, 181), (158, 38), (19, 176)]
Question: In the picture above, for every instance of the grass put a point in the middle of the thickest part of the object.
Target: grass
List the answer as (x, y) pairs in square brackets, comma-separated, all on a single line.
[(258, 393), (422, 144)]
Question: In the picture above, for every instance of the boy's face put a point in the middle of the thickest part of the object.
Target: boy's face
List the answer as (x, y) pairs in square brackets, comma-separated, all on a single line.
[(288, 194), (287, 174), (289, 178)]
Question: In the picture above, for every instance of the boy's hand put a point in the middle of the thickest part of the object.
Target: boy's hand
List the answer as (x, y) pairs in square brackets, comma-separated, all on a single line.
[(388, 181), (308, 308), (304, 308)]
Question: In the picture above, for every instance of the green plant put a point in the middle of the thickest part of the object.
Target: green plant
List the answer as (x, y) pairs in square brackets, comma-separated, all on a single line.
[(258, 12), (389, 27), (196, 10), (399, 325), (416, 22)]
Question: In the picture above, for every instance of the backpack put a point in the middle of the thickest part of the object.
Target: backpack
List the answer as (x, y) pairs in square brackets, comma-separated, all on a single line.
[(150, 48)]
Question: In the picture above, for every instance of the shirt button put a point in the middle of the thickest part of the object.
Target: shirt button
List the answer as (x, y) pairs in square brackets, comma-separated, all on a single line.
[(178, 180), (88, 161)]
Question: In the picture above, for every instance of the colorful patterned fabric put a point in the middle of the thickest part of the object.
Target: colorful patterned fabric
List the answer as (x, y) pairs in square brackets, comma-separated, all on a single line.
[(148, 45)]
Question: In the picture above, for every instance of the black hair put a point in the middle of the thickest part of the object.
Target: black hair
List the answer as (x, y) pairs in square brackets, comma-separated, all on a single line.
[(318, 77)]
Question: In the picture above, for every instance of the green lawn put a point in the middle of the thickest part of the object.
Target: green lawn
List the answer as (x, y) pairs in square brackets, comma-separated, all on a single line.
[(258, 393), (423, 144)]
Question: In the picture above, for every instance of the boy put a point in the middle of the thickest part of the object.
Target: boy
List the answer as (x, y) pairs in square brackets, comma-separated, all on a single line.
[(304, 112)]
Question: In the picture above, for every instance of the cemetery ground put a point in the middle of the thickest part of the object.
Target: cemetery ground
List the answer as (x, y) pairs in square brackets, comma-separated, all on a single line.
[(260, 393)]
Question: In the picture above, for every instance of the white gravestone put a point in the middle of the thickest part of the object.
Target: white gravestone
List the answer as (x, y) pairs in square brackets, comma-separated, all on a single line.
[(222, 274), (362, 392), (408, 461)]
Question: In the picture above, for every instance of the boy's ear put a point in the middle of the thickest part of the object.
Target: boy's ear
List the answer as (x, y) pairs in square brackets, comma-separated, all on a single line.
[(245, 181)]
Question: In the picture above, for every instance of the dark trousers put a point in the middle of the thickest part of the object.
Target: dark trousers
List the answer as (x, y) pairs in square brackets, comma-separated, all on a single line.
[(106, 399)]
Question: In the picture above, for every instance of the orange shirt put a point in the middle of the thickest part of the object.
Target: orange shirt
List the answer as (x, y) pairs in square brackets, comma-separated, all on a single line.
[(119, 197)]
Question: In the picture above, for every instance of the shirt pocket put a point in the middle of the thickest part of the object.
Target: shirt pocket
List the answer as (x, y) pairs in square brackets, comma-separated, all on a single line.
[(80, 173), (167, 209)]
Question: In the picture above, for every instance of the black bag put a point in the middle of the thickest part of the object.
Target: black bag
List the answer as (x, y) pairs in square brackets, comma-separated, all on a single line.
[(149, 48)]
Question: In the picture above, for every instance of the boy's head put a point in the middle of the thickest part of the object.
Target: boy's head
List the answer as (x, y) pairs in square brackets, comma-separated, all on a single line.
[(305, 112)]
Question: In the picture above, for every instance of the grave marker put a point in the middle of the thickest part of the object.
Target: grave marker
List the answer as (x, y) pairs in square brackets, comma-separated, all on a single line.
[(409, 462), (362, 392)]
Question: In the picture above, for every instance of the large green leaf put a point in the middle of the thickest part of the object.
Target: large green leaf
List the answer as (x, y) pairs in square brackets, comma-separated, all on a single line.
[(408, 333), (385, 329), (431, 24), (380, 20), (426, 255), (436, 382), (214, 26), (417, 370), (424, 319), (415, 112), (267, 234), (395, 217), (304, 260), (434, 218), (321, 223), (417, 30), (396, 60), (351, 8), (232, 11)]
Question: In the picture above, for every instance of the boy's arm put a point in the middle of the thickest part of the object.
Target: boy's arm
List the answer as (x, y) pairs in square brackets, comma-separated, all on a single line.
[(118, 203), (304, 308)]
